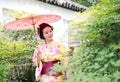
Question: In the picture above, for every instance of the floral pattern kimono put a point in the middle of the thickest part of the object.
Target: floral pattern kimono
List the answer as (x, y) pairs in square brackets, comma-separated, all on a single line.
[(54, 52)]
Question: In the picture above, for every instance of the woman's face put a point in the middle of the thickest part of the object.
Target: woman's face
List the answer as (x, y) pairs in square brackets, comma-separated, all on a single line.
[(48, 33)]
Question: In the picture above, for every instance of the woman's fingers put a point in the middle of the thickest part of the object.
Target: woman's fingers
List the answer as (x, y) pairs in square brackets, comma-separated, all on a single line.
[(37, 49), (38, 60)]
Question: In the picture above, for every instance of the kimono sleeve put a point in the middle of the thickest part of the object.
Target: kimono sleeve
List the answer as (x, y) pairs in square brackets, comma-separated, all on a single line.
[(34, 58), (38, 69)]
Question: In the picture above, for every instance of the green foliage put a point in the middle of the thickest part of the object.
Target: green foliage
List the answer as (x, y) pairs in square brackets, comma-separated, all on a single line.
[(16, 51), (97, 57), (3, 72), (87, 3), (16, 14)]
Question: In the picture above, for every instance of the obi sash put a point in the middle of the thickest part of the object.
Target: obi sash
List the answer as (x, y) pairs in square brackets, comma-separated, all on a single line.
[(47, 67)]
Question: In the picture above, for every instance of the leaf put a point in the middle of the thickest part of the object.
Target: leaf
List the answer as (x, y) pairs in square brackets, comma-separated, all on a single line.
[(117, 63), (105, 79)]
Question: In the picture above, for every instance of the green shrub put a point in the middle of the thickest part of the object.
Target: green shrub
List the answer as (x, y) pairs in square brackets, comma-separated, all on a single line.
[(97, 57), (16, 56)]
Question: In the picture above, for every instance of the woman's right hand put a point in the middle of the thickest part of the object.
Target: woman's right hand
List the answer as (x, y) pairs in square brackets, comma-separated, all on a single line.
[(38, 56)]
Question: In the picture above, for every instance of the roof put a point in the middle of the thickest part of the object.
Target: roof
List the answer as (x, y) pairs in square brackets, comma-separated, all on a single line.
[(66, 4)]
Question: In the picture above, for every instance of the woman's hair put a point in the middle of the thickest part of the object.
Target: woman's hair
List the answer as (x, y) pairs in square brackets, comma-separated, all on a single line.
[(40, 29)]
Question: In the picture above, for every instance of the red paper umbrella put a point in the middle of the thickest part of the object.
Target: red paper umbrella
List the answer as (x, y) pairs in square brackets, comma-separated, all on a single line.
[(31, 22)]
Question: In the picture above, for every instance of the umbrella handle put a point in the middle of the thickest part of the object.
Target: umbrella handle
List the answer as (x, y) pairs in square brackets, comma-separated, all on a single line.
[(35, 34)]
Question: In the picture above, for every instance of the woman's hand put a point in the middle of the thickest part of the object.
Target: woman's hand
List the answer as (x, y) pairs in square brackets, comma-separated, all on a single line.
[(38, 59), (38, 56)]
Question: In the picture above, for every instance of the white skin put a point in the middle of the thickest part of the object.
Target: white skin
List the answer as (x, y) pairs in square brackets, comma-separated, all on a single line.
[(48, 35)]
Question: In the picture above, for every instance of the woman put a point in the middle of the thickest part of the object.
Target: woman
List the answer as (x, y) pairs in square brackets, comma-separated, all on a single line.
[(47, 54)]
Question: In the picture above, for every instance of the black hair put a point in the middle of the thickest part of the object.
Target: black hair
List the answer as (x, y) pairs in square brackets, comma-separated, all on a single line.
[(40, 29)]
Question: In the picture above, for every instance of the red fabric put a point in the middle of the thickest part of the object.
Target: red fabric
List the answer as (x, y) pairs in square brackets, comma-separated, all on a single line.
[(47, 67)]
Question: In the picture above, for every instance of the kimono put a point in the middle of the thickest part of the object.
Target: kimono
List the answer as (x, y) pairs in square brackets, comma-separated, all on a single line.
[(50, 54)]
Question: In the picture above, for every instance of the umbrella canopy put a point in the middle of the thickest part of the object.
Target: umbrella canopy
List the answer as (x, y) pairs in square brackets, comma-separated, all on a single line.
[(31, 22)]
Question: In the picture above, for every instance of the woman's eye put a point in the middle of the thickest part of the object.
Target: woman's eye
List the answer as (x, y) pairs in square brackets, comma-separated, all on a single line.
[(51, 31), (46, 33)]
